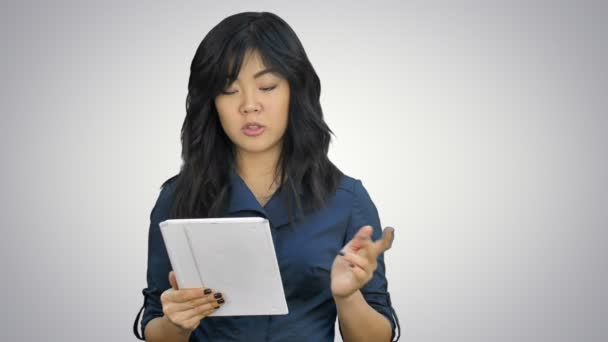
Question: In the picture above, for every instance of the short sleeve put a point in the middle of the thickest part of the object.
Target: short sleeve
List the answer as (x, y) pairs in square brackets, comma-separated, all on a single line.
[(159, 265), (375, 292)]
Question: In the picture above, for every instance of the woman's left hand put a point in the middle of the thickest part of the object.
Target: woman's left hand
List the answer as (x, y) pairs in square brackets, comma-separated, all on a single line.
[(355, 264)]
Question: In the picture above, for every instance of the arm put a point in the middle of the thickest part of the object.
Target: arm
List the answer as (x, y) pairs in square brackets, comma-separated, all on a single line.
[(359, 285), (155, 326), (160, 329), (352, 311)]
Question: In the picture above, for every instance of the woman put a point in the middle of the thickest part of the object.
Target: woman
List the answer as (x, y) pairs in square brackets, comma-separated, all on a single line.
[(254, 143)]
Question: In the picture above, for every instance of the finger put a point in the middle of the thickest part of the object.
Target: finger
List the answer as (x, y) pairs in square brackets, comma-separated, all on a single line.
[(210, 298), (185, 295), (173, 280), (192, 321), (359, 261), (360, 274), (190, 318), (385, 243), (201, 310), (362, 238), (195, 303)]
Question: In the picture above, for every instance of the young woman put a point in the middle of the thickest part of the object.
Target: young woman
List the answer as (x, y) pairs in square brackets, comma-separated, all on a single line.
[(254, 143)]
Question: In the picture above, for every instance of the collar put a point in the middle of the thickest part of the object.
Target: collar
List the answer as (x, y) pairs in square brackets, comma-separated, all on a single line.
[(243, 202)]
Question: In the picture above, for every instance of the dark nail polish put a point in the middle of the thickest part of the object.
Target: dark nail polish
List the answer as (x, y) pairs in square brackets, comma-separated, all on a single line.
[(207, 291), (341, 253), (220, 301), (217, 295)]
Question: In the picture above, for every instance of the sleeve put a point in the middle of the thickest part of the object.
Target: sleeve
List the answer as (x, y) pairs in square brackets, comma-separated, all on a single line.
[(375, 292), (159, 265)]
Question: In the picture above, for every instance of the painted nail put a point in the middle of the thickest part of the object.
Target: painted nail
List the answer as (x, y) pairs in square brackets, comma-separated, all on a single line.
[(220, 301), (207, 291), (217, 295), (341, 253)]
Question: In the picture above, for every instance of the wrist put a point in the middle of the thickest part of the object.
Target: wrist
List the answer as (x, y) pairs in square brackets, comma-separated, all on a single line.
[(347, 298), (178, 330)]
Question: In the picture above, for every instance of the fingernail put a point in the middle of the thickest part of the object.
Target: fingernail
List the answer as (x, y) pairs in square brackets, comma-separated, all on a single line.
[(351, 265), (207, 291), (220, 301), (341, 253), (217, 295)]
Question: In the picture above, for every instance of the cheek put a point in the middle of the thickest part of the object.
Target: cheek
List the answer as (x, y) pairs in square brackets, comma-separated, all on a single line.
[(279, 120), (232, 129), (284, 118), (282, 111), (228, 123), (229, 127)]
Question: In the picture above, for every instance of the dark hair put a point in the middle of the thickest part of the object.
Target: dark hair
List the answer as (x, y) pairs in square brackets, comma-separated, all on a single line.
[(202, 187)]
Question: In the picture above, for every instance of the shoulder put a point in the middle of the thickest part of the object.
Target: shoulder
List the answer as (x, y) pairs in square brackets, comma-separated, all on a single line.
[(353, 190), (347, 183), (363, 211), (351, 185), (166, 190), (162, 206)]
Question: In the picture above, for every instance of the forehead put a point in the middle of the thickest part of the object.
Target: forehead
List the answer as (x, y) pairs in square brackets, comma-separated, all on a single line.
[(252, 59), (252, 66)]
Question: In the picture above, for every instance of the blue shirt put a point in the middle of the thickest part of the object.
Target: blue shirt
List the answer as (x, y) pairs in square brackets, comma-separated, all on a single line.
[(305, 253)]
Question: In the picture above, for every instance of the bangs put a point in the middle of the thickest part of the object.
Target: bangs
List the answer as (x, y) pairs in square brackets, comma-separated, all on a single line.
[(221, 54), (233, 58)]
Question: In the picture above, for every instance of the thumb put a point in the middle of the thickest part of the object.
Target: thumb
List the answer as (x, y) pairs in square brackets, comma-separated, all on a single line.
[(172, 280), (388, 235)]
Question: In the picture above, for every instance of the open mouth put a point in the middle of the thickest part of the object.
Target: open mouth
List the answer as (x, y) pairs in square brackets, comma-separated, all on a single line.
[(253, 129)]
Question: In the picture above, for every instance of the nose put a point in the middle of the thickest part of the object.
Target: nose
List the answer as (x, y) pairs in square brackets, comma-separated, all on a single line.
[(250, 108), (249, 103)]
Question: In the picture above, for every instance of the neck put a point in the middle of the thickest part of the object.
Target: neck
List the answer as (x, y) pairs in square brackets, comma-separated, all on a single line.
[(257, 166)]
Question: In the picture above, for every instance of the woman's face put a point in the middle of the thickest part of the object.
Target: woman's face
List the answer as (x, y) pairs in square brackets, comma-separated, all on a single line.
[(253, 110)]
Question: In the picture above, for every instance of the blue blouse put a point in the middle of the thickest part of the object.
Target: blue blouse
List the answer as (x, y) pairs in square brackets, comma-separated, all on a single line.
[(305, 253)]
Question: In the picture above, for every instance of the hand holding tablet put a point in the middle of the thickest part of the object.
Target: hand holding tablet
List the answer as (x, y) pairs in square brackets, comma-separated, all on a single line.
[(185, 308)]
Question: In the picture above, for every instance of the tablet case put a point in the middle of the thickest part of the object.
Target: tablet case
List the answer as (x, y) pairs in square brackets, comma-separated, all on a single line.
[(233, 255)]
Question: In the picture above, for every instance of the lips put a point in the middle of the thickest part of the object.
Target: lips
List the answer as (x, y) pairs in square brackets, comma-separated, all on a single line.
[(252, 129), (252, 125)]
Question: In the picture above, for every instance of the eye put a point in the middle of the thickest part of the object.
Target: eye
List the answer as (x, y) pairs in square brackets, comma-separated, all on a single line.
[(265, 89), (268, 88)]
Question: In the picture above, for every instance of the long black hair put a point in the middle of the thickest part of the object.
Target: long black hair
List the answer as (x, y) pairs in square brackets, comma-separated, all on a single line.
[(202, 187)]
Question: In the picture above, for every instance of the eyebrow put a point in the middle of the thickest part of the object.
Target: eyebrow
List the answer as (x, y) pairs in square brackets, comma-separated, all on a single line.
[(262, 72), (265, 71)]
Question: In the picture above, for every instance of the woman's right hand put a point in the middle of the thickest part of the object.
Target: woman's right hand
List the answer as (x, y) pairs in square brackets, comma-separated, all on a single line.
[(185, 308)]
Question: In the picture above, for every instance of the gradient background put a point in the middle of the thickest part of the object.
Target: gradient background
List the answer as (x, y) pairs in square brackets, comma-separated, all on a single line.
[(479, 129)]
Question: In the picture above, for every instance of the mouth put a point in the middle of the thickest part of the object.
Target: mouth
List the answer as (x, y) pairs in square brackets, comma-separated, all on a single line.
[(252, 129)]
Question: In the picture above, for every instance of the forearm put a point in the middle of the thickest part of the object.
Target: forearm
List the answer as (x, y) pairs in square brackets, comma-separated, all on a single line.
[(360, 322), (160, 329)]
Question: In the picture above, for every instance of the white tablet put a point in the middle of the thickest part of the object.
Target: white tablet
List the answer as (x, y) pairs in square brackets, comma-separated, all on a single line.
[(233, 255)]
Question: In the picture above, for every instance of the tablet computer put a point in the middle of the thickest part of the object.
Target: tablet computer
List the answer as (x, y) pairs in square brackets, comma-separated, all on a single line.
[(232, 255)]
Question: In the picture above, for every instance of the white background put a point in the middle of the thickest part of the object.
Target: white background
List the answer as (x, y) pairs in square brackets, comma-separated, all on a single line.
[(479, 129)]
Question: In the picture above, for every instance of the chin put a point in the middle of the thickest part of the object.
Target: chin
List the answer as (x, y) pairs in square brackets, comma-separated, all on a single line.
[(257, 147)]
